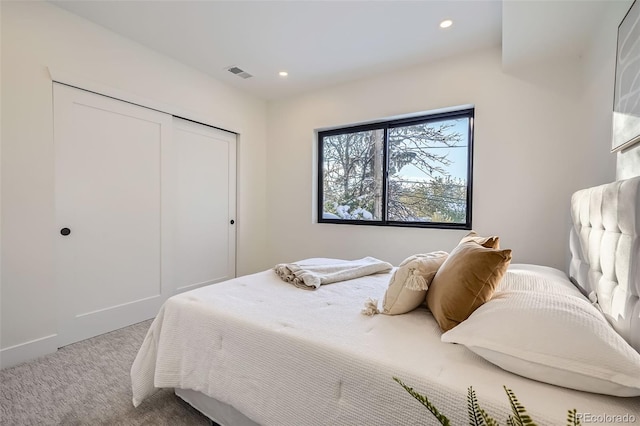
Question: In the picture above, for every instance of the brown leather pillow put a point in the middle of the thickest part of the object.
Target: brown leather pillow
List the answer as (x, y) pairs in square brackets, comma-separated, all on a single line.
[(466, 280)]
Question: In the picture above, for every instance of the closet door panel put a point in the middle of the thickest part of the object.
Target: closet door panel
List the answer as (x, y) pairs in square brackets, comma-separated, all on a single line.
[(109, 194), (204, 249)]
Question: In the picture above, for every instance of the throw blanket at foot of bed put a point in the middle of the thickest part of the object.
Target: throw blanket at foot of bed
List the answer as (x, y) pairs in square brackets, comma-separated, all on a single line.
[(310, 274)]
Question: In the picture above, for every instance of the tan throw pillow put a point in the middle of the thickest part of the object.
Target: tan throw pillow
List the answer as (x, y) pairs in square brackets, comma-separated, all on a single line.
[(409, 283), (465, 281), (488, 242)]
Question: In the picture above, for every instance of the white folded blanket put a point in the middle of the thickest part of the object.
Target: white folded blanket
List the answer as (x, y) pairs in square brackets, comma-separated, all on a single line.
[(312, 273)]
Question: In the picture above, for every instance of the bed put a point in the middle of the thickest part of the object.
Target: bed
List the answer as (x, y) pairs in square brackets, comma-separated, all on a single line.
[(256, 350)]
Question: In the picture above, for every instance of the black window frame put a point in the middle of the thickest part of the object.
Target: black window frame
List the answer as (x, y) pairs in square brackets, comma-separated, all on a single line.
[(467, 112)]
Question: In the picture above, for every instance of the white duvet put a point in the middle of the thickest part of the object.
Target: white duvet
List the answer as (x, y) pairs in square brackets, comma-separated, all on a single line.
[(285, 356)]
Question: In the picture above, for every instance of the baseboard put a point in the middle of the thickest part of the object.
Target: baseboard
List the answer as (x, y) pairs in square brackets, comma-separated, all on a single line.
[(18, 354)]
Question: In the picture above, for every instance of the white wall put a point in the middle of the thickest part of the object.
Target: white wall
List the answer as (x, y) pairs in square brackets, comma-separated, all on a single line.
[(600, 63), (35, 36), (527, 137)]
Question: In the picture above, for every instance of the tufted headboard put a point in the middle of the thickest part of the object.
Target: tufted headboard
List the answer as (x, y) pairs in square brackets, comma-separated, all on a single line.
[(605, 252)]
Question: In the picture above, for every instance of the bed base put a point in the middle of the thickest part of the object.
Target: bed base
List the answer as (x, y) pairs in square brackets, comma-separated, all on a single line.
[(218, 412)]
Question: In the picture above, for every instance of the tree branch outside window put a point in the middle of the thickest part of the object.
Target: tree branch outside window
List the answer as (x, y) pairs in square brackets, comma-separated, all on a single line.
[(413, 172)]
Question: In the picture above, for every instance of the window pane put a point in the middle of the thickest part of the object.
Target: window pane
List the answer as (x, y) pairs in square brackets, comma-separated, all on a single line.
[(428, 166), (352, 175)]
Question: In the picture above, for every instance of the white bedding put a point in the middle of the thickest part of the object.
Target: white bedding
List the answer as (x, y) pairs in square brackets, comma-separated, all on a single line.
[(285, 356)]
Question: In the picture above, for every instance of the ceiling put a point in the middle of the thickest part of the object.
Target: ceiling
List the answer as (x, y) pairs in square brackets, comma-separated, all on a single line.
[(323, 43)]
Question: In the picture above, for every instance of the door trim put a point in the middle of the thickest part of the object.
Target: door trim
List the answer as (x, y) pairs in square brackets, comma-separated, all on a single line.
[(69, 78)]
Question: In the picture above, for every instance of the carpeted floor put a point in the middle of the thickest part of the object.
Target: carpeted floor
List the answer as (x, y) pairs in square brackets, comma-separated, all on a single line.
[(88, 383)]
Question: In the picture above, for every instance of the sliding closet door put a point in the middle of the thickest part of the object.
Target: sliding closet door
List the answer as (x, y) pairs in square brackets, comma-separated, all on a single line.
[(109, 189), (205, 205)]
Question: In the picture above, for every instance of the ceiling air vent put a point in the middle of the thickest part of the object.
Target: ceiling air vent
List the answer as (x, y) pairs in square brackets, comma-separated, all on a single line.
[(239, 72)]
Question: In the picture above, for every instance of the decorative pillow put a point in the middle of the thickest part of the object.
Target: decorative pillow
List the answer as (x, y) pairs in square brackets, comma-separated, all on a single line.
[(409, 283), (466, 280), (554, 338), (488, 242)]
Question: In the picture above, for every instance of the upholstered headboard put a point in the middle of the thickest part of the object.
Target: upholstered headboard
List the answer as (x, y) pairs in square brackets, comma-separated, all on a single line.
[(605, 252)]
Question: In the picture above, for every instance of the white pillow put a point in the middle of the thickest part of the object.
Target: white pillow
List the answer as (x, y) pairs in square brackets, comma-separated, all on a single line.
[(554, 338), (524, 277)]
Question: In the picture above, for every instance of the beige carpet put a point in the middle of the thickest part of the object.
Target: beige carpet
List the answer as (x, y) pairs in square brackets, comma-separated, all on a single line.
[(88, 383)]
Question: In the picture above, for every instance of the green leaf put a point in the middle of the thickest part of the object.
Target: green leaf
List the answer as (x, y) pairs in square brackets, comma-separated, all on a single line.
[(520, 416), (572, 418), (490, 421), (475, 418), (424, 401)]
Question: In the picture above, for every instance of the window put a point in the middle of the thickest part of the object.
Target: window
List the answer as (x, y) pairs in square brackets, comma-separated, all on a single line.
[(410, 172)]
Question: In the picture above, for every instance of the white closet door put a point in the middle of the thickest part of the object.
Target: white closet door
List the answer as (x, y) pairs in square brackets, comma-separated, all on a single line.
[(109, 156), (205, 205)]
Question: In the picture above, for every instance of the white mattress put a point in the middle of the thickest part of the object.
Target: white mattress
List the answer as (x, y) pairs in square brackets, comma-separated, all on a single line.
[(286, 356)]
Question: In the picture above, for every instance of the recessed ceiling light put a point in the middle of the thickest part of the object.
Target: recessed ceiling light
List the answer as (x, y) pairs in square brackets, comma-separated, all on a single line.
[(283, 73), (446, 23)]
